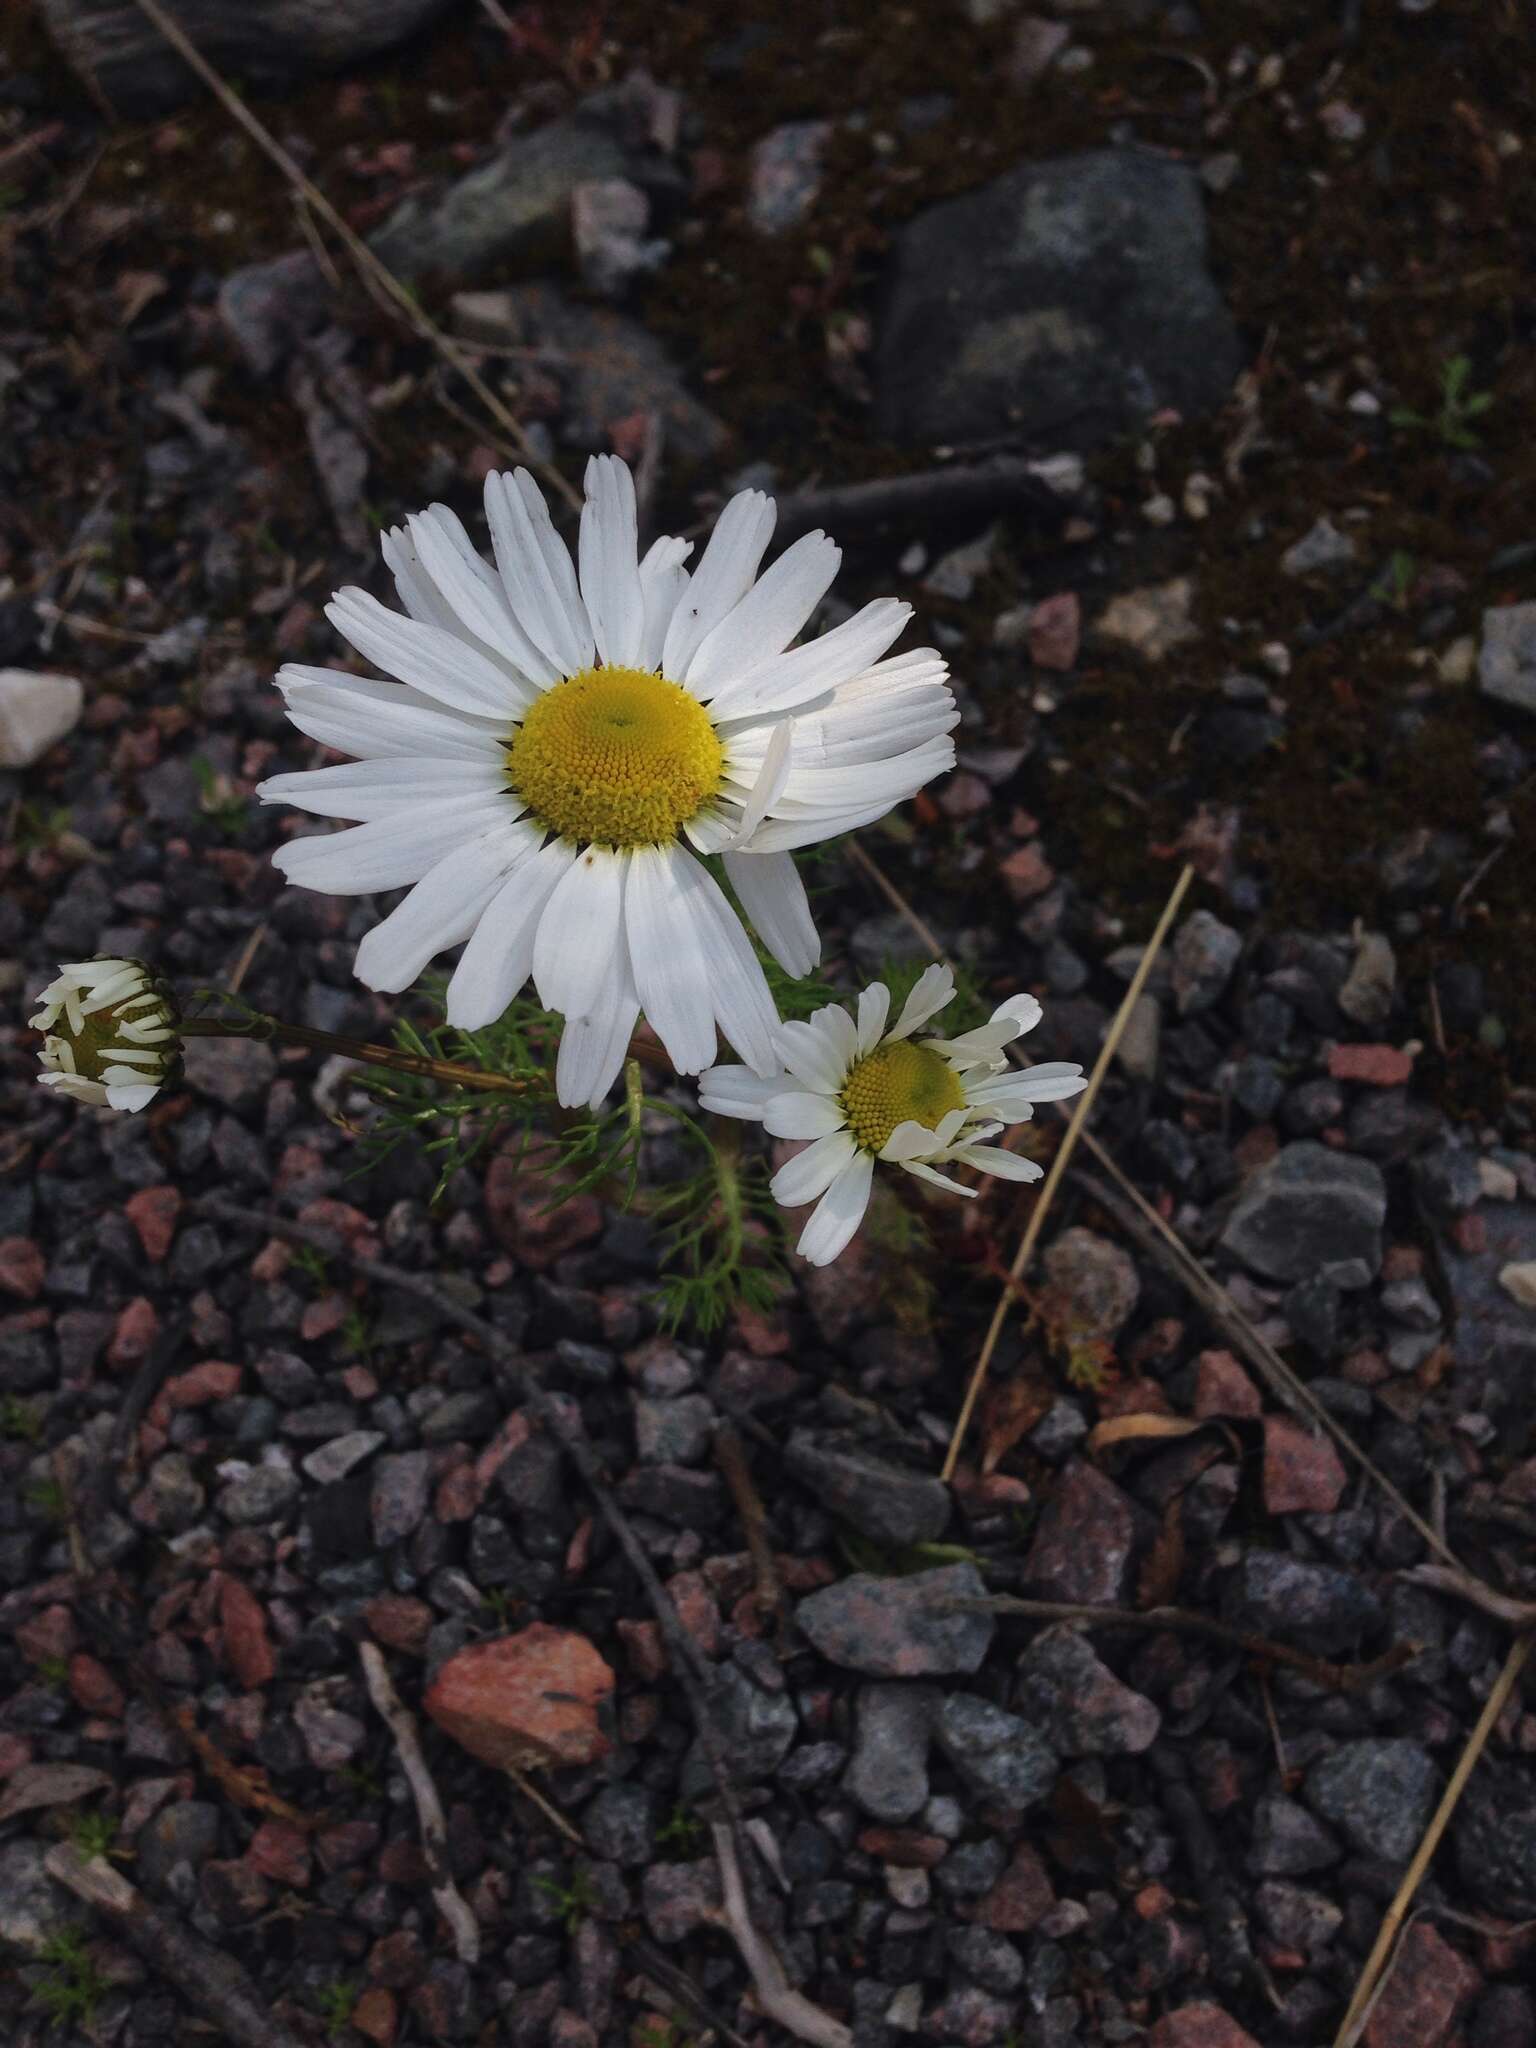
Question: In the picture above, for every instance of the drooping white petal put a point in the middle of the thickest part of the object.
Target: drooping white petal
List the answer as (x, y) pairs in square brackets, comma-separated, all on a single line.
[(811, 1055), (610, 573), (663, 579), (499, 956), (536, 570), (724, 574), (811, 1172), (442, 909), (773, 896), (1022, 1011), (783, 681), (909, 1140), (799, 1114), (839, 1213), (593, 1045), (744, 1008), (934, 987), (1051, 1081), (429, 659), (737, 1091), (840, 1032), (997, 1160), (939, 1180), (768, 786), (671, 960), (128, 1095), (379, 788), (874, 1008), (389, 852), (763, 622), (581, 931), (474, 591)]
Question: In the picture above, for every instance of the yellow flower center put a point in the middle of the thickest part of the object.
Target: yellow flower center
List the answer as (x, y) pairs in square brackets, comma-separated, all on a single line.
[(616, 757), (896, 1084)]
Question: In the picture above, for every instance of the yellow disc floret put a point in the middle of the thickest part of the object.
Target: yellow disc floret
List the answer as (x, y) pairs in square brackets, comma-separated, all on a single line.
[(616, 757), (896, 1084)]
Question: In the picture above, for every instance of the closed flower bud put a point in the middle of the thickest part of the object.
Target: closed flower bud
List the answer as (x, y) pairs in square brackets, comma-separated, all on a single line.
[(112, 1033)]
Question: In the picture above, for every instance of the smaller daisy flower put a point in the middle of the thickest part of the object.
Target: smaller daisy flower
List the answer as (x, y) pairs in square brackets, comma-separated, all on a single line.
[(112, 1033), (862, 1093)]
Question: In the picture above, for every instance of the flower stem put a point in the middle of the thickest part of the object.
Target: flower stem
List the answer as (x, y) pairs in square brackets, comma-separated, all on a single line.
[(274, 1031)]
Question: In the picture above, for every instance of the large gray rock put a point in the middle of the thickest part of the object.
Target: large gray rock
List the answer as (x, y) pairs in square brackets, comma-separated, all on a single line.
[(511, 213), (999, 1756), (1378, 1792), (900, 1628), (1309, 1208), (890, 1504), (114, 45), (887, 1777), (1063, 303), (32, 1907)]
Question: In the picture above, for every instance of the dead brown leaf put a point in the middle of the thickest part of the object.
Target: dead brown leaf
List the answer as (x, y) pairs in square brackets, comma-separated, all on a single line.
[(245, 1787), (1157, 1584), (35, 1785)]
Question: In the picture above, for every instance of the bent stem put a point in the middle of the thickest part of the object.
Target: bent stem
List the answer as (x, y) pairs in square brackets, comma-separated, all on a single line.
[(274, 1031)]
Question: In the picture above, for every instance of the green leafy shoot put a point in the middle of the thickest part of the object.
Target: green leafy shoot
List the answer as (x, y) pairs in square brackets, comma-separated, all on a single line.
[(1460, 405), (681, 1834), (21, 1420), (337, 2003), (71, 1986), (720, 1233), (93, 1833), (572, 1900)]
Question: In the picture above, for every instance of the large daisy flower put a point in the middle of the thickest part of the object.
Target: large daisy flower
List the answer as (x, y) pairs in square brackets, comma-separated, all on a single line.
[(861, 1093), (558, 736)]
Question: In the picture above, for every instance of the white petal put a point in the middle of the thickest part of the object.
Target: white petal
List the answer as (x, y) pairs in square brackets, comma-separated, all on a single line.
[(934, 988), (668, 947), (536, 570), (1051, 1081), (909, 1140), (773, 896), (131, 1095), (801, 1115), (737, 1091), (473, 592), (811, 1056), (1022, 1011), (786, 680), (499, 956), (610, 575), (839, 1214), (763, 623), (874, 1008), (581, 932), (710, 831), (768, 786), (358, 715), (811, 1172), (663, 579), (380, 788), (840, 1032), (724, 575), (442, 909), (389, 852), (996, 1159), (429, 659), (939, 1180), (593, 1046), (743, 1006)]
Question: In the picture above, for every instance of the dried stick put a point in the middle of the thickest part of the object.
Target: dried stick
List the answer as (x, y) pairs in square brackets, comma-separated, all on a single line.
[(1081, 1111), (212, 1982), (373, 269), (1185, 1621), (1518, 1614), (779, 1999), (1353, 2023), (401, 1723), (962, 491), (731, 1457)]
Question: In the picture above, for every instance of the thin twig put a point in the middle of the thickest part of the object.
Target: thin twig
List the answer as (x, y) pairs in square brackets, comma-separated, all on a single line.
[(962, 491), (552, 1814), (779, 1999), (1461, 1585), (1185, 1621), (211, 1981), (365, 258), (401, 1722), (1082, 1110), (1367, 1989), (731, 1457)]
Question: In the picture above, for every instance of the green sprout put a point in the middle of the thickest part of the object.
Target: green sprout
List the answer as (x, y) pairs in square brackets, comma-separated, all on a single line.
[(1459, 406), (93, 1833), (47, 1499), (682, 1832), (71, 1987), (21, 1420), (572, 1900), (311, 1263), (53, 1672), (337, 2003)]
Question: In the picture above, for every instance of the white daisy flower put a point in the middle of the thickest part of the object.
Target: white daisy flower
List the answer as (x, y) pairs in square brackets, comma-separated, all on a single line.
[(112, 1033), (863, 1093), (557, 736)]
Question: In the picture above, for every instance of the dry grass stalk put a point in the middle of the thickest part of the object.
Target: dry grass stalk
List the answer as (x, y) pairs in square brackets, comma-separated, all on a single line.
[(374, 272)]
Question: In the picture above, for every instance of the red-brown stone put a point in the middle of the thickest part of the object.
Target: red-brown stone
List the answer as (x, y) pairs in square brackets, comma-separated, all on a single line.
[(153, 1213), (21, 1268), (281, 1851), (1223, 1388), (1020, 1899), (1429, 1988), (247, 1646), (530, 1698), (1378, 1066), (1200, 2025), (1302, 1472)]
